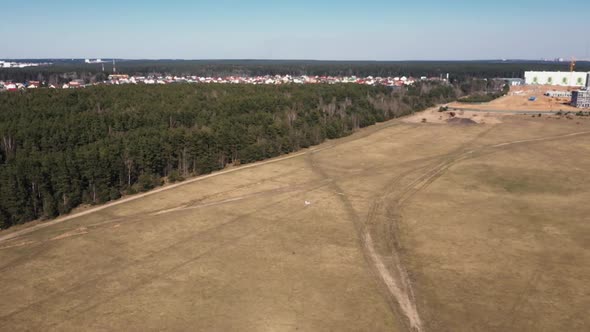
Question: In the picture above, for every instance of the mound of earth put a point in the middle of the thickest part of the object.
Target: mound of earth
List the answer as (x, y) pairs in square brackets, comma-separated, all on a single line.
[(461, 121)]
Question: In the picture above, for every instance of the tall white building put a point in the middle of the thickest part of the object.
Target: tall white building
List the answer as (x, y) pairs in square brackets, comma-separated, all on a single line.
[(561, 78)]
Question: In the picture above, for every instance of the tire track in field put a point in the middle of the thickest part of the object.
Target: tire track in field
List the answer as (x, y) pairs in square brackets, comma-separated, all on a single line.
[(437, 171), (364, 132), (395, 296), (113, 268), (393, 210), (284, 189), (390, 268), (41, 247), (400, 286), (230, 242)]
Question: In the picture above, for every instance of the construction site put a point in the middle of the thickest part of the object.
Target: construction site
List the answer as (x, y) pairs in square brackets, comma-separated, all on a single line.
[(572, 86), (550, 102), (548, 93)]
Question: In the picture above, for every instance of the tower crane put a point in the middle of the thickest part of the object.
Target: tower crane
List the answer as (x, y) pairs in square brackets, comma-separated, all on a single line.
[(572, 68)]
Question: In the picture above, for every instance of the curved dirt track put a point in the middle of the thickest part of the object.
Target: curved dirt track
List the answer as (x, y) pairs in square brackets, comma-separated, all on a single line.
[(397, 280), (228, 244)]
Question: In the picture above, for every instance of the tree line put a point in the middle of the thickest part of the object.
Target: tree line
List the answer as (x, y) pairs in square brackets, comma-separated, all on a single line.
[(63, 148)]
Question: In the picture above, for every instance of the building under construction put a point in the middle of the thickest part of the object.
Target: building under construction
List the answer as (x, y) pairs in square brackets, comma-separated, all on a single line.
[(560, 78), (581, 98)]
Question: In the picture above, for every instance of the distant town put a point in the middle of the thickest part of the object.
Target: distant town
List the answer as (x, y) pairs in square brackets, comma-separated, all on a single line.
[(576, 84), (117, 79)]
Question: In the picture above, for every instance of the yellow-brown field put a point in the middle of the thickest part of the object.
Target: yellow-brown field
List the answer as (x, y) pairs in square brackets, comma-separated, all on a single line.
[(399, 227)]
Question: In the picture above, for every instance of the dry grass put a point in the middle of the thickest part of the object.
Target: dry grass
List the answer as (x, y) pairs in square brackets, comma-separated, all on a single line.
[(472, 233), (501, 242)]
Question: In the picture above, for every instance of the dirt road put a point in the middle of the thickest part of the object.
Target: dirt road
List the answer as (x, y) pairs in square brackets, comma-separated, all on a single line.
[(338, 237)]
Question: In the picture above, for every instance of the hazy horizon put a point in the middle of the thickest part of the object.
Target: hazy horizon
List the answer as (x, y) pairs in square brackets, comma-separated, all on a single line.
[(374, 30)]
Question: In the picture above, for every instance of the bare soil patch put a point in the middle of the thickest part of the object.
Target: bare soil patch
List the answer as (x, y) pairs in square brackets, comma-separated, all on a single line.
[(433, 116), (518, 99), (461, 121)]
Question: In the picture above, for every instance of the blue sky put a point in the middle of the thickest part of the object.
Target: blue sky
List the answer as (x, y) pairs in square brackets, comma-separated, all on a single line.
[(303, 29)]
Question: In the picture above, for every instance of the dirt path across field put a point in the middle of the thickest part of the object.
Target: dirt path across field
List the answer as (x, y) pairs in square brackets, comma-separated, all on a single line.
[(315, 240), (8, 234), (400, 286)]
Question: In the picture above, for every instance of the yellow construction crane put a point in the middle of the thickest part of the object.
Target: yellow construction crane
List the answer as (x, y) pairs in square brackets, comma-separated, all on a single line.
[(572, 68)]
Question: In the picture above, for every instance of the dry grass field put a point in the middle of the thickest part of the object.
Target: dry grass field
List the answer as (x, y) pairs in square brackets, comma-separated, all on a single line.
[(400, 227)]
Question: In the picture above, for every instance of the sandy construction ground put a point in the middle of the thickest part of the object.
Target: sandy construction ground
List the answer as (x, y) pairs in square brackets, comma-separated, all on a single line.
[(518, 100), (400, 227)]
